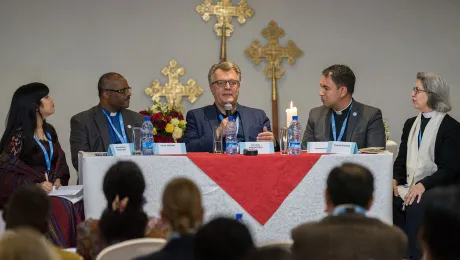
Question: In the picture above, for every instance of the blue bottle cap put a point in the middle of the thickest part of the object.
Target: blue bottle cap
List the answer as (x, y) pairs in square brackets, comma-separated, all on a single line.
[(295, 118), (146, 118), (230, 118), (239, 216)]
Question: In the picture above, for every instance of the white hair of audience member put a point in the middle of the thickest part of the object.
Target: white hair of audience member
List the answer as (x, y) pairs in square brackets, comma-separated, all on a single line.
[(437, 89), (25, 245)]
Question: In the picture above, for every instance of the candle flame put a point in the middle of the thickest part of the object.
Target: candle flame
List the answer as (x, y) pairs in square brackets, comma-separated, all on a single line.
[(291, 105)]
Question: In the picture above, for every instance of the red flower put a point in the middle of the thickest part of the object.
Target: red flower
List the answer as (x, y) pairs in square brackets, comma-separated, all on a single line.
[(169, 139), (180, 117), (174, 113), (158, 139), (145, 113), (167, 119), (161, 125), (157, 116), (11, 144)]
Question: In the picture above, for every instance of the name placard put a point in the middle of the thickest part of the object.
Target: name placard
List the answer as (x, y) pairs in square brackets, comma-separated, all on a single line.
[(317, 147), (342, 148), (169, 148), (261, 147), (120, 149)]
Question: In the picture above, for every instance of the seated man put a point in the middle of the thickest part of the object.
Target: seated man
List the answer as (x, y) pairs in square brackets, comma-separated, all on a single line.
[(107, 123), (29, 207), (347, 233), (252, 124), (341, 118)]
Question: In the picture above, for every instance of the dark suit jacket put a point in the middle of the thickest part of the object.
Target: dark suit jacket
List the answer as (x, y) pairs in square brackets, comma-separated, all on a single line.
[(446, 155), (89, 132), (176, 249), (348, 237), (198, 135), (365, 126)]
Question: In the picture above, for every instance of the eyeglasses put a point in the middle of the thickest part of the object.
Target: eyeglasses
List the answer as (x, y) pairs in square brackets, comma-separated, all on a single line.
[(223, 83), (123, 91), (417, 90)]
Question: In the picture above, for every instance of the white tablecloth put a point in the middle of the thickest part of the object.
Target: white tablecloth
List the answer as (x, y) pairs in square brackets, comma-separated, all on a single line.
[(304, 204)]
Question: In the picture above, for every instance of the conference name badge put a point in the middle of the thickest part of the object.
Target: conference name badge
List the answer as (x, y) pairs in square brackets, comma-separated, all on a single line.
[(342, 148), (261, 147), (169, 148), (120, 149)]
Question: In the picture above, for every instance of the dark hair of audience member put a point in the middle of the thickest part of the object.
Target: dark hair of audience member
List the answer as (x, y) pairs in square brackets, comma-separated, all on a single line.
[(23, 115), (28, 207), (350, 184), (182, 207), (439, 233), (269, 253), (224, 239), (125, 180)]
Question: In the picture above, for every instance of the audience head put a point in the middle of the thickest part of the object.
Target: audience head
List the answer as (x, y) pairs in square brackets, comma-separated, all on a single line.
[(114, 91), (28, 207), (349, 184), (124, 217), (269, 253), (30, 103), (224, 239), (337, 85), (431, 92), (224, 81), (439, 233), (25, 244), (182, 207)]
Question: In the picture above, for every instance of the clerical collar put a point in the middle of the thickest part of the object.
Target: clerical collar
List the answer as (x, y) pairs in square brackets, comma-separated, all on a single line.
[(111, 113), (345, 109), (430, 114)]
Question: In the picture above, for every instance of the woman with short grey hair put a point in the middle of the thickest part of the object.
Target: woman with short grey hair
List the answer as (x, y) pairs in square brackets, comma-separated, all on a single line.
[(428, 156)]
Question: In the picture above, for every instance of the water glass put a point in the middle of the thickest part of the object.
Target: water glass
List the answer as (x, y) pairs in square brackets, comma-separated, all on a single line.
[(217, 139), (137, 140), (283, 139)]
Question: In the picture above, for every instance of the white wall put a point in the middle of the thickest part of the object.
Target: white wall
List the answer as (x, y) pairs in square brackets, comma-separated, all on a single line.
[(69, 44)]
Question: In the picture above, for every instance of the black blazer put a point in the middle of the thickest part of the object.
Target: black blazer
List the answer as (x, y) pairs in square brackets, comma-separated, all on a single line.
[(446, 155), (176, 249)]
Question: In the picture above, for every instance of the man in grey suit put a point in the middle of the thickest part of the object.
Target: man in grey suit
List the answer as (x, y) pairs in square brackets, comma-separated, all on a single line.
[(341, 118), (347, 233), (107, 123)]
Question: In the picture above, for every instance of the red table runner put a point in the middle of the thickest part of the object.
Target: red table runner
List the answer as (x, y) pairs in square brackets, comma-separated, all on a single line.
[(259, 183)]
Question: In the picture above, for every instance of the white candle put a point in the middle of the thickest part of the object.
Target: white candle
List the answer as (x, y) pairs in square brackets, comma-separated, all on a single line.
[(290, 112)]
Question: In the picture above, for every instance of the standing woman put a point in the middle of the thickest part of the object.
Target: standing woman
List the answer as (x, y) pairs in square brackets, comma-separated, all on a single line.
[(30, 154), (428, 156)]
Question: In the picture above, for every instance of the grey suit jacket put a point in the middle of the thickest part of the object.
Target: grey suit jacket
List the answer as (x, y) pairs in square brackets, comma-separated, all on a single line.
[(348, 237), (89, 132), (365, 126)]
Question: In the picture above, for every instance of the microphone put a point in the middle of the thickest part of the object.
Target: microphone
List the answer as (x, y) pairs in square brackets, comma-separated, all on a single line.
[(228, 109)]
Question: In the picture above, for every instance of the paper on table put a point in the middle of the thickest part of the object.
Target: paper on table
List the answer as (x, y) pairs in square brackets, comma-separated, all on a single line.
[(72, 193)]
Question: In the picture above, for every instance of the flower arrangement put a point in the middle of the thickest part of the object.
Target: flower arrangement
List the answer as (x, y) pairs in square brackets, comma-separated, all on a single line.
[(168, 122), (387, 128)]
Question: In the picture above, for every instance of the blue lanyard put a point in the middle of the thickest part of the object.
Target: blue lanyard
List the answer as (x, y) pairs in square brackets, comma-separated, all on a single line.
[(221, 117), (49, 157), (334, 134), (339, 210), (123, 139)]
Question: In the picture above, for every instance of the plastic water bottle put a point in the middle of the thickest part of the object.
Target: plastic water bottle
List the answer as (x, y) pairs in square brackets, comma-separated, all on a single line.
[(294, 136), (147, 137), (231, 141), (239, 217)]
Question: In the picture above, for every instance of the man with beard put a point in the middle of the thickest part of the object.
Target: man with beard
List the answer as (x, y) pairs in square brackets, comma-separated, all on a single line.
[(341, 118), (252, 124), (109, 122)]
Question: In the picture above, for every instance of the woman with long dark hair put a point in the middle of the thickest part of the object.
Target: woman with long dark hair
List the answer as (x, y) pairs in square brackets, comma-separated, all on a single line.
[(124, 217), (30, 154)]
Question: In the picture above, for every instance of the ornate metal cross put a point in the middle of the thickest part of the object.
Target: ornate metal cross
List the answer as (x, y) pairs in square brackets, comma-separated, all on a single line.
[(173, 90), (224, 12), (273, 53)]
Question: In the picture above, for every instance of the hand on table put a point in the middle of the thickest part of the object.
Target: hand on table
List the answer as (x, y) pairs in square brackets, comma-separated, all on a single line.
[(265, 136)]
